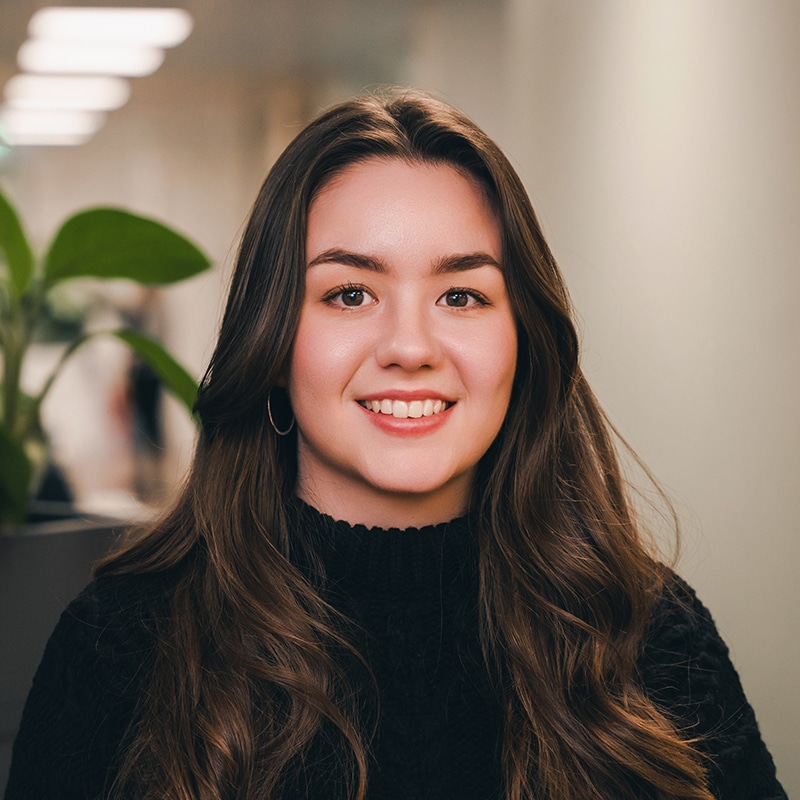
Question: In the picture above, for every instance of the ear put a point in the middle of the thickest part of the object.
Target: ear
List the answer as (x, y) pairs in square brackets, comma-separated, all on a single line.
[(282, 380)]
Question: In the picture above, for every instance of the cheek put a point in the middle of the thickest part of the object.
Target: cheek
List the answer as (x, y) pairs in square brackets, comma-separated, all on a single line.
[(323, 359), (489, 360), (306, 368)]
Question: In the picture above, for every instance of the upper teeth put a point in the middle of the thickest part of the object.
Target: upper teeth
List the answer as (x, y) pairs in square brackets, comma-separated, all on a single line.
[(403, 410)]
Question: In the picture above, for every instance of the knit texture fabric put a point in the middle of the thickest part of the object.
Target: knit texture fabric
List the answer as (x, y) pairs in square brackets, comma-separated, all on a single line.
[(413, 596)]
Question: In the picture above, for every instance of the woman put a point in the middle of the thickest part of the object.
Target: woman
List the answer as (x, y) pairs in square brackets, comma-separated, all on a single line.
[(404, 564)]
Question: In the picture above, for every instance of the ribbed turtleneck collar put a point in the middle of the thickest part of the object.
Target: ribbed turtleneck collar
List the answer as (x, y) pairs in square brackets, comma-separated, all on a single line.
[(392, 563)]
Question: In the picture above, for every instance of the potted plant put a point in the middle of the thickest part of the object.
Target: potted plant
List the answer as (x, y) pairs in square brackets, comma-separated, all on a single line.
[(104, 243)]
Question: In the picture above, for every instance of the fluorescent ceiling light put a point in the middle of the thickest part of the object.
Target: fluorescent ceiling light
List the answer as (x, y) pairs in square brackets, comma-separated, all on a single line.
[(160, 27), (45, 55), (53, 139), (90, 92), (73, 59), (24, 126)]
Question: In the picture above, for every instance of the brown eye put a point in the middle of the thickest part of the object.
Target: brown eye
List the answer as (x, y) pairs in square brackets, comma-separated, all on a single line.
[(457, 299), (352, 297), (349, 296)]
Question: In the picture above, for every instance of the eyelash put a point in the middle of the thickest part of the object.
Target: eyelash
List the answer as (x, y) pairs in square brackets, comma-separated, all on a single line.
[(477, 296), (340, 290), (332, 296)]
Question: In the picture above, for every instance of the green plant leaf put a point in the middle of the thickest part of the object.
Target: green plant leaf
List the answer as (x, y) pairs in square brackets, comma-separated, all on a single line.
[(112, 243), (15, 478), (15, 247), (174, 376)]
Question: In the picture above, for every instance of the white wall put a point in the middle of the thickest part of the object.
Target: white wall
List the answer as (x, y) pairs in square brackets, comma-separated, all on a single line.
[(659, 141)]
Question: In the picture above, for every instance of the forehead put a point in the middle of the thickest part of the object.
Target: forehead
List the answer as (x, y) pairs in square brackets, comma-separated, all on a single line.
[(392, 201), (375, 170)]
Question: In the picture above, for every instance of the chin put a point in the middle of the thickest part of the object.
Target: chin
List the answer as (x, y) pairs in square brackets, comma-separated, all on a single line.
[(417, 487)]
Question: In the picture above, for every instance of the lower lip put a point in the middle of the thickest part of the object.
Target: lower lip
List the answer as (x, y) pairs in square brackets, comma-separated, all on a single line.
[(410, 426)]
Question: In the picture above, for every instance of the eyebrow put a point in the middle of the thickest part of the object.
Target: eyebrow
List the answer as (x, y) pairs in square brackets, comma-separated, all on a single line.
[(443, 266)]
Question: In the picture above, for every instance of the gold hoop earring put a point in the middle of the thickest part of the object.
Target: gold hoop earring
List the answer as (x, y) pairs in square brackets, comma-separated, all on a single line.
[(272, 421)]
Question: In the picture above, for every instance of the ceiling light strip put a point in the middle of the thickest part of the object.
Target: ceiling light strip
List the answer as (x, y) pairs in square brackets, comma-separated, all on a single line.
[(75, 60), (88, 92), (157, 27)]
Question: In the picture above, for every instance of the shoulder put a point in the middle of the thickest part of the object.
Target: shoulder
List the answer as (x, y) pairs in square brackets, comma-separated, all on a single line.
[(685, 665), (115, 609), (686, 669), (104, 638), (682, 634), (85, 691), (122, 599)]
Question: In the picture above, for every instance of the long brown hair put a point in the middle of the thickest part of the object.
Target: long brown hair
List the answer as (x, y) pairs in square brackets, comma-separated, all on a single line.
[(247, 678)]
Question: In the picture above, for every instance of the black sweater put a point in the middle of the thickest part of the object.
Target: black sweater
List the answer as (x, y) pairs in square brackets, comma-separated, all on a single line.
[(413, 595)]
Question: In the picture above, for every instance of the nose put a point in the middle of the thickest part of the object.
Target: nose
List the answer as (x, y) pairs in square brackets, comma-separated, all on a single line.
[(408, 339)]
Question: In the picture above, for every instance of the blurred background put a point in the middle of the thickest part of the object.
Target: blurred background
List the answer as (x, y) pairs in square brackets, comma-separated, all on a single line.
[(659, 143)]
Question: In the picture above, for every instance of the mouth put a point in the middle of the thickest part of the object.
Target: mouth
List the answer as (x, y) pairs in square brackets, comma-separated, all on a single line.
[(406, 409)]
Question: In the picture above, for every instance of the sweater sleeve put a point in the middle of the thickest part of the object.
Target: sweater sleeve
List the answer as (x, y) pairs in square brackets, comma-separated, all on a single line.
[(687, 671), (83, 697)]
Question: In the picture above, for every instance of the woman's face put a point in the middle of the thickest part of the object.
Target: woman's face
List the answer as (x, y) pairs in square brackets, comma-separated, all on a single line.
[(402, 367)]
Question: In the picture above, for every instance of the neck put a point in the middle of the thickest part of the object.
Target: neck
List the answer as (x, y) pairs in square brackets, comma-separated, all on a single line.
[(385, 509)]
